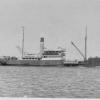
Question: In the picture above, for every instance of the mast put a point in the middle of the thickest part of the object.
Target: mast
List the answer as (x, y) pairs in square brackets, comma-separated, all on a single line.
[(23, 42), (86, 44)]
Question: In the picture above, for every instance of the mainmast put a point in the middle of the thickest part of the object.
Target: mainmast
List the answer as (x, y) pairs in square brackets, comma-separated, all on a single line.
[(86, 44), (23, 42), (83, 55)]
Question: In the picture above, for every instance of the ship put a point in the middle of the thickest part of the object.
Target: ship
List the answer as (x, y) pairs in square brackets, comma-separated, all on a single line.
[(47, 57)]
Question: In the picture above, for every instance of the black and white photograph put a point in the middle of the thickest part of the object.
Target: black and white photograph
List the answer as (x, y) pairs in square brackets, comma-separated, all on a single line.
[(50, 48)]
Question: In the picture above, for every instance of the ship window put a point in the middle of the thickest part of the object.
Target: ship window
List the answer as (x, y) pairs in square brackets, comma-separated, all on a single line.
[(51, 53)]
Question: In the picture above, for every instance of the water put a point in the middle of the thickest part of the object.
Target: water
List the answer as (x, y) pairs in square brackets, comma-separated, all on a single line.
[(75, 82)]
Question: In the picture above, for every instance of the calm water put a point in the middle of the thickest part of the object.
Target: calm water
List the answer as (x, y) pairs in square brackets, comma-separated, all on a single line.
[(79, 82)]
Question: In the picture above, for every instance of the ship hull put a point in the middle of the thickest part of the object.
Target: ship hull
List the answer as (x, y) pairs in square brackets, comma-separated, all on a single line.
[(33, 62)]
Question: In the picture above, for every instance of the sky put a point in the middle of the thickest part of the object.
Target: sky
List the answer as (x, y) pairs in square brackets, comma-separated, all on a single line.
[(59, 21)]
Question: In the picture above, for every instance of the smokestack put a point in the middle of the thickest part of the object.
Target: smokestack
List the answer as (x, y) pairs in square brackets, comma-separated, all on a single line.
[(41, 45)]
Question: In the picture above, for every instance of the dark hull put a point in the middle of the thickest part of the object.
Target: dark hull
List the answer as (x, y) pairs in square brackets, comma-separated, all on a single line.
[(71, 64), (32, 62)]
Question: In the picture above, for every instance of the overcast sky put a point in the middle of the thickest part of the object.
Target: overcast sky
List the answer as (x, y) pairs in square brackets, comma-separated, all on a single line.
[(59, 21)]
